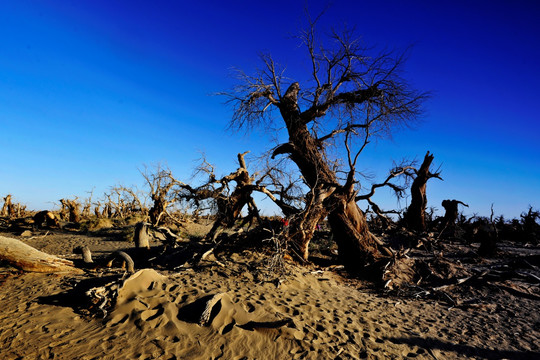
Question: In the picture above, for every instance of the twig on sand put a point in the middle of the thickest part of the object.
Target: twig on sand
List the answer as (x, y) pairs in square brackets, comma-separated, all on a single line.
[(432, 354)]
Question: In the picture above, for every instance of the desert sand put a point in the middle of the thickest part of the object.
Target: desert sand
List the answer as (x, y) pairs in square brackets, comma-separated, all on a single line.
[(313, 311)]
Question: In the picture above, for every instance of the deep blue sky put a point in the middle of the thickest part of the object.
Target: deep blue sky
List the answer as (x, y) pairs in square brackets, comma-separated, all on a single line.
[(92, 90)]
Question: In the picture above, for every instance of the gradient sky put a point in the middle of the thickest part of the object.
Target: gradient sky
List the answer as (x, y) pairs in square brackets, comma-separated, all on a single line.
[(92, 90)]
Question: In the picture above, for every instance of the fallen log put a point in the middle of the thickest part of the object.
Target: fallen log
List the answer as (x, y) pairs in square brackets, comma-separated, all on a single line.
[(27, 258)]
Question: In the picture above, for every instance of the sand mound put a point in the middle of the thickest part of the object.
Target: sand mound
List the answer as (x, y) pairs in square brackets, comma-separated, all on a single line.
[(186, 315)]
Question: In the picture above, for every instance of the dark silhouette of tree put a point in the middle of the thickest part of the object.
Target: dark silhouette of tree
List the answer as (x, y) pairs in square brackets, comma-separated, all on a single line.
[(352, 95), (415, 214), (451, 214)]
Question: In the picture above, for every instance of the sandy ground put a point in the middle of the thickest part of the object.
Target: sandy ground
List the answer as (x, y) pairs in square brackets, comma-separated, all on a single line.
[(309, 312)]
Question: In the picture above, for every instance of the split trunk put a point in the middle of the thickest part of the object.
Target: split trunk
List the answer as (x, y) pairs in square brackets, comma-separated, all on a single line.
[(356, 245)]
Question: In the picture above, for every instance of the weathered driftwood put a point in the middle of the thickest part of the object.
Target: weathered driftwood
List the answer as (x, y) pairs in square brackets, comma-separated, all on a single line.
[(27, 258), (170, 238), (86, 253), (205, 316), (125, 259), (463, 281)]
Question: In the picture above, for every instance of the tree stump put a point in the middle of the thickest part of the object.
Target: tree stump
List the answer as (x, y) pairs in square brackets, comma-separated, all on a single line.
[(141, 236)]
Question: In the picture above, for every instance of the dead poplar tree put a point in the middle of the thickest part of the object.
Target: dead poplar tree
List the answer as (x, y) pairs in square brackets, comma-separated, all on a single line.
[(87, 205), (161, 183), (107, 207), (228, 201), (97, 211), (529, 221), (399, 171), (7, 208), (129, 201), (352, 94), (450, 215), (415, 217), (71, 210)]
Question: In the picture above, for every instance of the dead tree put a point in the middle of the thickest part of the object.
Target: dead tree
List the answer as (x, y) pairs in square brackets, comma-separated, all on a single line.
[(530, 224), (87, 205), (229, 207), (97, 211), (354, 94), (404, 171), (161, 183), (415, 215), (381, 215), (229, 203), (129, 201), (7, 208), (64, 210), (72, 209), (451, 214), (107, 208)]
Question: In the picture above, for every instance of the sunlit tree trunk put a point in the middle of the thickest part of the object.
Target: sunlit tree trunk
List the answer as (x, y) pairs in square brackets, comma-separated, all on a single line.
[(356, 245)]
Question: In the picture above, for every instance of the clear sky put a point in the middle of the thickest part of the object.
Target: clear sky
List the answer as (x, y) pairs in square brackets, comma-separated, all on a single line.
[(92, 90)]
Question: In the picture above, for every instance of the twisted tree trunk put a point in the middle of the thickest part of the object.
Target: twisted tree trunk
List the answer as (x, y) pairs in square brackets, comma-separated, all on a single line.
[(415, 215), (230, 207), (356, 245)]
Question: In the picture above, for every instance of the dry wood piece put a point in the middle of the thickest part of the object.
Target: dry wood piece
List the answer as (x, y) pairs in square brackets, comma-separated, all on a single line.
[(170, 237), (127, 261), (46, 217), (86, 253), (516, 290), (26, 258), (252, 325), (71, 210), (463, 281), (205, 316)]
